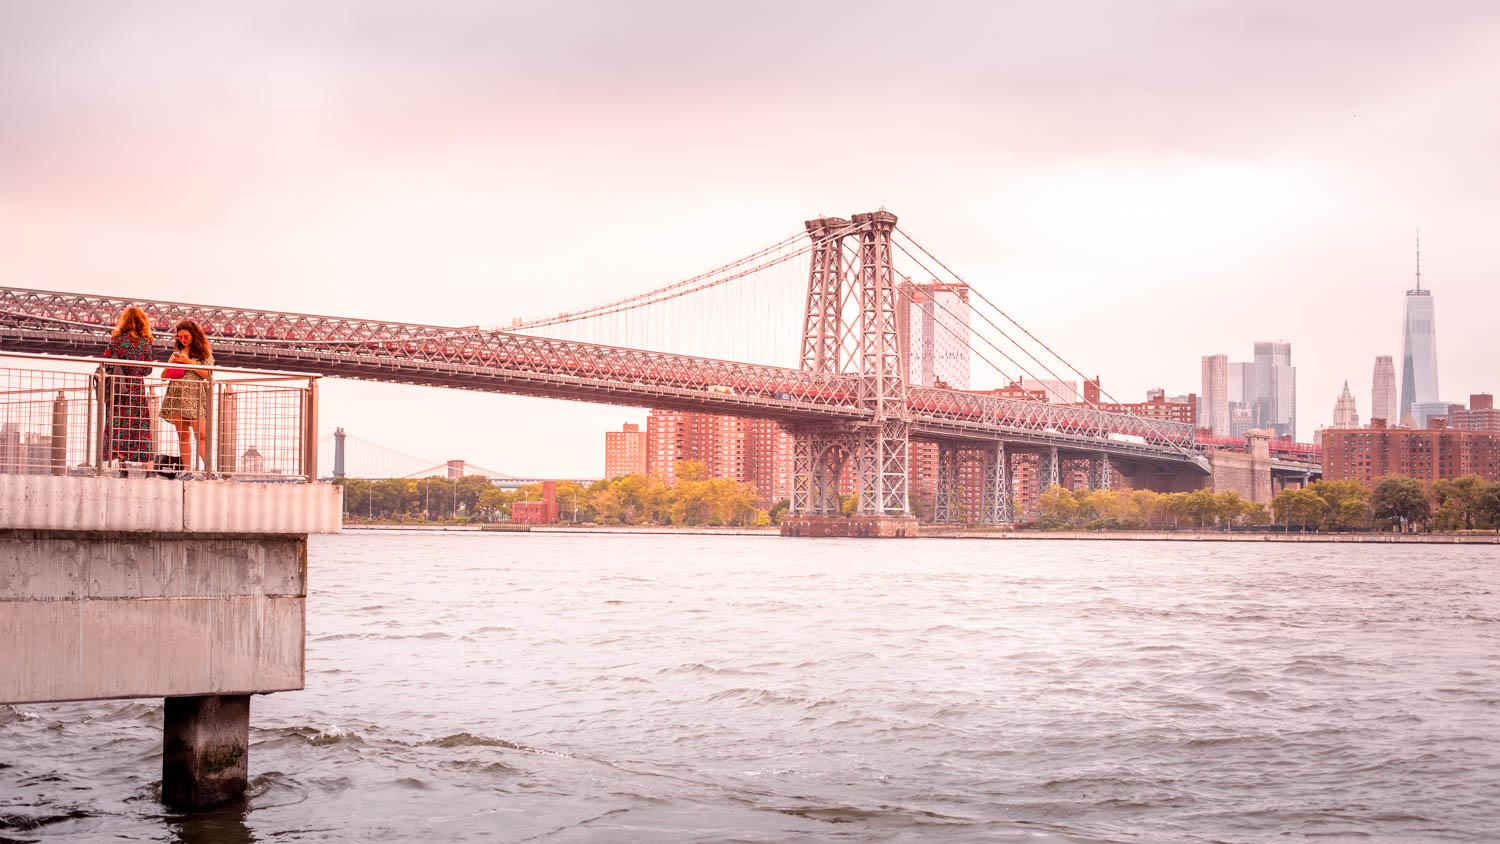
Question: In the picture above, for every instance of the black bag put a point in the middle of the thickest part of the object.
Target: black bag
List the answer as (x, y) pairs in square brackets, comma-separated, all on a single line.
[(166, 465)]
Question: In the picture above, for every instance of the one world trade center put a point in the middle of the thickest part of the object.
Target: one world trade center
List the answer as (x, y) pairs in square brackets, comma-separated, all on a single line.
[(1419, 374)]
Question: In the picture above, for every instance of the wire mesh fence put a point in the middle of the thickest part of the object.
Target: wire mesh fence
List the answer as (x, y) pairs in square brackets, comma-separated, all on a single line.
[(90, 416)]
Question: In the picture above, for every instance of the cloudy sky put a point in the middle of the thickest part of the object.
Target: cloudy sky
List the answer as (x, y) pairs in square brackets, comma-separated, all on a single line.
[(1141, 183)]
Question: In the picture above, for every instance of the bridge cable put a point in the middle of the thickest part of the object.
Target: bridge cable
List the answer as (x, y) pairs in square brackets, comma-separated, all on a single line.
[(1149, 421)]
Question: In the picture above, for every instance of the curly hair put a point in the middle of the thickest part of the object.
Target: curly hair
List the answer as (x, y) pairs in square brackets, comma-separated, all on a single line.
[(198, 348), (133, 322)]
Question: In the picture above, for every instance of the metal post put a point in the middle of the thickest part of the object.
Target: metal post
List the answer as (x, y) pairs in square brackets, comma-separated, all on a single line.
[(100, 395), (209, 463), (310, 432), (60, 434)]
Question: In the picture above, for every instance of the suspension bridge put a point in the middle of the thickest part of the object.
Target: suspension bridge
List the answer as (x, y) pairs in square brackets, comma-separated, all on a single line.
[(814, 331)]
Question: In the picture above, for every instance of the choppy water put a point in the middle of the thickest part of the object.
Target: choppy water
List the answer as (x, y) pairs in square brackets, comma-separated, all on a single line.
[(517, 687)]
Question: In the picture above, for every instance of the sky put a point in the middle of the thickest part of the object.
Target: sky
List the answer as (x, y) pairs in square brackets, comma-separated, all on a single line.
[(1140, 183)]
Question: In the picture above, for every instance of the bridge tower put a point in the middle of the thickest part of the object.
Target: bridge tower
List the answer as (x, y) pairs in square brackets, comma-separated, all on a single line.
[(852, 329)]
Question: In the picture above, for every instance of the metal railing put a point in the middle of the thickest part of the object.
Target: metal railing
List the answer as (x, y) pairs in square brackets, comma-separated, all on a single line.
[(91, 416)]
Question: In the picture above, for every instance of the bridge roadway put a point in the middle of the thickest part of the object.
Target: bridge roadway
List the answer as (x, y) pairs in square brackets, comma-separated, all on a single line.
[(47, 322)]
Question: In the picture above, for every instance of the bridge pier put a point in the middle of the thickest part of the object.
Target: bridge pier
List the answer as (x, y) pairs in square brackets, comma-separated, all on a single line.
[(874, 527), (205, 750)]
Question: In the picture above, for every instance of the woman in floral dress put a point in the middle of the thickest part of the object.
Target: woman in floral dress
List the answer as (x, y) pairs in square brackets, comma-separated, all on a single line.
[(185, 403), (127, 434)]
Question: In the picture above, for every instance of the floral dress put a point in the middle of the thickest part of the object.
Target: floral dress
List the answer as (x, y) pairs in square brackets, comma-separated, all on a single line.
[(127, 430), (187, 397)]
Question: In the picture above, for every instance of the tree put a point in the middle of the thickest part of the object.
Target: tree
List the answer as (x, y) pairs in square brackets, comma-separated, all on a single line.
[(1344, 504), (1301, 507), (779, 510), (1460, 502), (1399, 502), (1200, 505), (1056, 508), (1230, 507)]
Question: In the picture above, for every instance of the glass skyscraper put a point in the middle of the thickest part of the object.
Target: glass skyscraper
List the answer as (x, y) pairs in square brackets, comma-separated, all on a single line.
[(1419, 373)]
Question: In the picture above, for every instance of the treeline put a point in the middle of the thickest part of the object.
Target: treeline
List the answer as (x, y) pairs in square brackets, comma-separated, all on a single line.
[(1396, 503), (636, 499)]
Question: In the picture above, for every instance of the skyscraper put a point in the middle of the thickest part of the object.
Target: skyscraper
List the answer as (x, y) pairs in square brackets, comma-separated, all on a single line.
[(1383, 392), (1345, 415), (1419, 374), (1241, 384), (932, 322), (1275, 388), (1214, 413)]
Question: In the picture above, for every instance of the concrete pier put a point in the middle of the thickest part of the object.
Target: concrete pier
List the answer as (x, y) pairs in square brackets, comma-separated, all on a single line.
[(884, 527), (205, 750), (194, 592)]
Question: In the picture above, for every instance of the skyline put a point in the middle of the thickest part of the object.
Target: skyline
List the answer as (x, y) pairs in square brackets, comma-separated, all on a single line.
[(1136, 201)]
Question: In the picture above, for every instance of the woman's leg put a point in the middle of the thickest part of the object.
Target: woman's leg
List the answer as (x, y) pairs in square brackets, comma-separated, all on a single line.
[(198, 429), (184, 434)]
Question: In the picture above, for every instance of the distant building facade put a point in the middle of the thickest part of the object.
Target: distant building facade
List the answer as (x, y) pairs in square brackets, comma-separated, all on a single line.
[(625, 451), (1345, 414), (1439, 452), (1479, 416), (1383, 392), (1419, 370), (1214, 412), (932, 323), (1275, 387), (1156, 406), (754, 451), (1057, 391)]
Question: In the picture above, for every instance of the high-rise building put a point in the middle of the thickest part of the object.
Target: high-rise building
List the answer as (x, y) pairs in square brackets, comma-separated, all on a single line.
[(1241, 384), (1275, 388), (768, 460), (755, 451), (1383, 392), (932, 323), (1345, 415), (1214, 413), (625, 451), (1419, 371)]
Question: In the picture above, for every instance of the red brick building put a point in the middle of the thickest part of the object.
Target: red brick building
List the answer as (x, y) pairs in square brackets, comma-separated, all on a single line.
[(755, 451), (1156, 405), (625, 452), (542, 512), (1481, 415), (1368, 454)]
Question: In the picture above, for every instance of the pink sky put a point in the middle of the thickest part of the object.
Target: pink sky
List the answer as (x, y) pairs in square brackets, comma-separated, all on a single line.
[(1140, 183)]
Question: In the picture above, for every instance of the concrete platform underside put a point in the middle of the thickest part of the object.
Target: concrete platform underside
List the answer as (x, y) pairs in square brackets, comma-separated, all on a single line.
[(882, 527), (192, 592)]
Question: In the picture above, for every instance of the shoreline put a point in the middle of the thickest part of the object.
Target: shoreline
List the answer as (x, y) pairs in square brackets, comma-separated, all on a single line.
[(933, 532)]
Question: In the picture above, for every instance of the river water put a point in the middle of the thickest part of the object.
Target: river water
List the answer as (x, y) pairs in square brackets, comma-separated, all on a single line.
[(564, 688)]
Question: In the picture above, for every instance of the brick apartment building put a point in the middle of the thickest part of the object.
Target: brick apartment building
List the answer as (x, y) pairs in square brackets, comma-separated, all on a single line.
[(1480, 415), (1156, 406), (625, 452), (755, 451), (1437, 452)]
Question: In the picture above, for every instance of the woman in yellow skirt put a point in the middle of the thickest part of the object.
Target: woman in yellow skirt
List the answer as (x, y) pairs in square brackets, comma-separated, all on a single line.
[(185, 403)]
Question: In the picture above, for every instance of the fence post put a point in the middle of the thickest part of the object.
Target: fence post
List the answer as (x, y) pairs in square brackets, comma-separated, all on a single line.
[(210, 461), (60, 434), (228, 430), (310, 431), (100, 396)]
